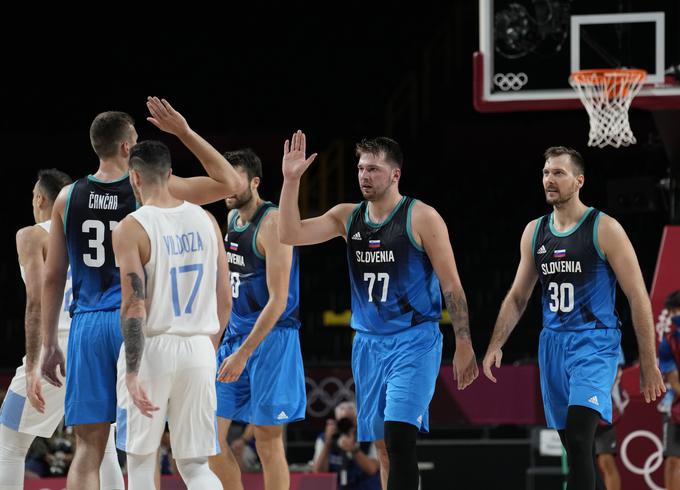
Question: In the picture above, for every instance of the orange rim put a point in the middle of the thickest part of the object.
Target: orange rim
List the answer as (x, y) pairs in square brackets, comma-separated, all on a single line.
[(608, 75)]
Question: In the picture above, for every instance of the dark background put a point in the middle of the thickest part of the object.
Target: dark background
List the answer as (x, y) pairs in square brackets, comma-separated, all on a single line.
[(340, 72)]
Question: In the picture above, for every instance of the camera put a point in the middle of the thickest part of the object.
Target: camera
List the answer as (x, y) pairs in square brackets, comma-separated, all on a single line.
[(345, 427)]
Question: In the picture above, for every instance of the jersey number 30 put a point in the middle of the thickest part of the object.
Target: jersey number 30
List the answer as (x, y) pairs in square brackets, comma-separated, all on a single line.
[(561, 297)]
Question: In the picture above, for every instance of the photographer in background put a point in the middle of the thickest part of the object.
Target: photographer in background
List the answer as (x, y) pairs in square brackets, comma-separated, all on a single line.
[(337, 451)]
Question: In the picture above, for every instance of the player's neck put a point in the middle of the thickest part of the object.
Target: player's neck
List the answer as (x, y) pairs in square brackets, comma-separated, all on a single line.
[(246, 212), (43, 215), (112, 169), (380, 209), (566, 215), (159, 196)]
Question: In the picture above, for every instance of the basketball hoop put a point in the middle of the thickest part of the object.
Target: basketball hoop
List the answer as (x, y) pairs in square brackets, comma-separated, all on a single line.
[(607, 95)]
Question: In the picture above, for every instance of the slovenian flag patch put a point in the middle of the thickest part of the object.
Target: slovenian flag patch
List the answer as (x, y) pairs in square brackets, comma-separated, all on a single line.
[(233, 246), (374, 244), (558, 254)]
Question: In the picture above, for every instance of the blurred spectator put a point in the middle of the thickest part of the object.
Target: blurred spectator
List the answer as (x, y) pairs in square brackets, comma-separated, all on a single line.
[(337, 451)]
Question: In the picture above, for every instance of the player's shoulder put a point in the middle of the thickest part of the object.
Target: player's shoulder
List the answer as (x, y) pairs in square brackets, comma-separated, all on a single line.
[(32, 234), (421, 210)]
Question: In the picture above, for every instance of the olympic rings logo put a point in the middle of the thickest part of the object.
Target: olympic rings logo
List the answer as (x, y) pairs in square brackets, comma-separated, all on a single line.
[(510, 81), (322, 398), (651, 464)]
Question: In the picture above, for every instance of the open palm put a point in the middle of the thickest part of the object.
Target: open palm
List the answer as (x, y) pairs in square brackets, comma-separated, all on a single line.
[(294, 161)]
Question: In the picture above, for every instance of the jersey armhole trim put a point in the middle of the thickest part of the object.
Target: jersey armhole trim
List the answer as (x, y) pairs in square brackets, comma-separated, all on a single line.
[(408, 227), (351, 219), (533, 239), (68, 202), (264, 214), (596, 240)]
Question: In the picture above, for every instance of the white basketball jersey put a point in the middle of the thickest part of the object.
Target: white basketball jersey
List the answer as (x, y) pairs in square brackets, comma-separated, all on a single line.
[(181, 275), (64, 316)]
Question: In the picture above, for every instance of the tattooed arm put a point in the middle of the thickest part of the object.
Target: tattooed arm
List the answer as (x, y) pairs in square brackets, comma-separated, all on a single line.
[(132, 248), (429, 231), (514, 303)]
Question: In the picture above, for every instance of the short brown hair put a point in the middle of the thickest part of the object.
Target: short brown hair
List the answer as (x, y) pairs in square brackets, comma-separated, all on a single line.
[(108, 130), (381, 146), (574, 156)]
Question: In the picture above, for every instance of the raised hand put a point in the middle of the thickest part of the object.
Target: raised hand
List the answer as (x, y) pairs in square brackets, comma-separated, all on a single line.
[(492, 358), (294, 161), (165, 117)]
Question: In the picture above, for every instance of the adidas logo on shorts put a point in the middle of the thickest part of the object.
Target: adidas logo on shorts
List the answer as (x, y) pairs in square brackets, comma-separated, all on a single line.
[(420, 419), (593, 400), (282, 416), (541, 250), (356, 236)]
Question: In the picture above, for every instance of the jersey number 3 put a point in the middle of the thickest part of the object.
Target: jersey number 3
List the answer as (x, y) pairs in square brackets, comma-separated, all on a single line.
[(561, 297)]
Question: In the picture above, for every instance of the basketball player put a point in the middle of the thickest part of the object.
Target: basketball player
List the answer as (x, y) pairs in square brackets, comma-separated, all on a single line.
[(84, 215), (174, 290), (399, 254), (261, 362), (21, 422), (579, 253)]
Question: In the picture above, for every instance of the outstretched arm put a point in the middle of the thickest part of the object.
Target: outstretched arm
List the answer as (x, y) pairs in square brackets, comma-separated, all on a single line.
[(514, 303), (128, 239), (431, 231), (223, 180), (278, 265), (293, 230), (621, 257), (56, 268)]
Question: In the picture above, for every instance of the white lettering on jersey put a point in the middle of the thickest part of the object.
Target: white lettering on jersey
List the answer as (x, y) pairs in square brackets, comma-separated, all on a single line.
[(561, 266), (99, 201), (237, 259), (371, 257)]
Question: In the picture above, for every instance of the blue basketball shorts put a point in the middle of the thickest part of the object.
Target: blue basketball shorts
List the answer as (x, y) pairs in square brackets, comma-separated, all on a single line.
[(93, 346), (577, 368), (394, 377), (271, 388)]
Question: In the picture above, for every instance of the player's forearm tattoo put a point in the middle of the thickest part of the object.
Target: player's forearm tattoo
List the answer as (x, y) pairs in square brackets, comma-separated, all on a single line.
[(33, 339), (133, 327), (456, 304), (137, 286), (134, 343)]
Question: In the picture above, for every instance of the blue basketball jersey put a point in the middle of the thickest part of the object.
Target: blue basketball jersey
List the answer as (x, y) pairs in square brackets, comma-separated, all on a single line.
[(249, 277), (93, 209), (392, 281), (578, 285)]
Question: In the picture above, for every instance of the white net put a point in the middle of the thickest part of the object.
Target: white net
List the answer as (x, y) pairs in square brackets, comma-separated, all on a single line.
[(607, 95)]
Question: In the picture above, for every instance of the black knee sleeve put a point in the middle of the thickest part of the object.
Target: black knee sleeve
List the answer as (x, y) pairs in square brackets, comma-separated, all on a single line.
[(400, 440), (579, 439)]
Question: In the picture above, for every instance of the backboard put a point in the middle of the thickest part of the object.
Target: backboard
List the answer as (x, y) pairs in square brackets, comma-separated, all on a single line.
[(528, 49)]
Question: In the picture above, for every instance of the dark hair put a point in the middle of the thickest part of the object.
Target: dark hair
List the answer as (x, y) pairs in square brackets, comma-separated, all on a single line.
[(381, 146), (673, 300), (51, 181), (246, 158), (574, 156), (151, 159), (108, 130)]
